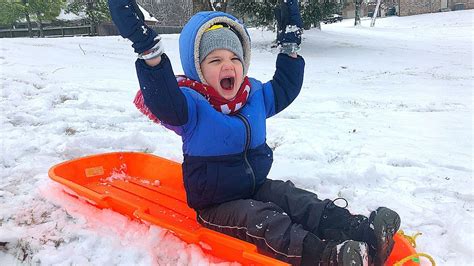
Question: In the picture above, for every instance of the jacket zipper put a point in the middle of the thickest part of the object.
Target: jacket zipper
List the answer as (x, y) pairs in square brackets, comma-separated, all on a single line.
[(247, 146)]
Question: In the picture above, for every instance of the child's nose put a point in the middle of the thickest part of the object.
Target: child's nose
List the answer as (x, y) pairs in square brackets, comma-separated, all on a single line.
[(227, 65)]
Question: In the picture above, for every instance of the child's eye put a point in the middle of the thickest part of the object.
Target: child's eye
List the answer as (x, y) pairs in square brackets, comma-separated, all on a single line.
[(214, 61), (236, 58)]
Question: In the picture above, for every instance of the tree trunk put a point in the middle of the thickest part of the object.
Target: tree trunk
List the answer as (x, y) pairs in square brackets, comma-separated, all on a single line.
[(28, 21), (221, 5), (91, 18), (374, 16), (317, 25), (94, 25), (357, 12), (40, 25), (201, 5), (94, 29)]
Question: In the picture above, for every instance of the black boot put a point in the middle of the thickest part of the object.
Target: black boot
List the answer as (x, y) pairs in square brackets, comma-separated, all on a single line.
[(337, 223), (383, 224), (333, 253), (347, 253), (377, 231)]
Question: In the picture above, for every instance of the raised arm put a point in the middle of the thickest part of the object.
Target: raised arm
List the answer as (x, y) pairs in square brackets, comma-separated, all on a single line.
[(161, 93), (288, 79), (158, 85), (290, 39)]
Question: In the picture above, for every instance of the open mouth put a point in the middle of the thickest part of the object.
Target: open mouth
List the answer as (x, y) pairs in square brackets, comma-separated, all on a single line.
[(227, 83)]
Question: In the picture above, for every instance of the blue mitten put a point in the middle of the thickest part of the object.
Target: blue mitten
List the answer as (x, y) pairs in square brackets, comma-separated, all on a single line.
[(130, 22), (294, 16), (291, 38)]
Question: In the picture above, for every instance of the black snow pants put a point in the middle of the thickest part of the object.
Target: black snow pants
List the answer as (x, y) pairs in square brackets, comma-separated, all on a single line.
[(277, 219)]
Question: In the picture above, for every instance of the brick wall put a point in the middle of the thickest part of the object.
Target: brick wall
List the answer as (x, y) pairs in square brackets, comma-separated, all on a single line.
[(414, 7), (468, 4)]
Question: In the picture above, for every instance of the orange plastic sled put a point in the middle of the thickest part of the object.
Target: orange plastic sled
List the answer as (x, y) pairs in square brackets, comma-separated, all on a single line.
[(150, 188)]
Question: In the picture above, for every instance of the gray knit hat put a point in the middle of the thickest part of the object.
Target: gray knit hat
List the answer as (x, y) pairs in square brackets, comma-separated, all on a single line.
[(220, 38), (229, 23)]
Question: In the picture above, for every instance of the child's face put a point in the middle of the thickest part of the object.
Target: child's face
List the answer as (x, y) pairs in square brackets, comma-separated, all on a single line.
[(223, 71)]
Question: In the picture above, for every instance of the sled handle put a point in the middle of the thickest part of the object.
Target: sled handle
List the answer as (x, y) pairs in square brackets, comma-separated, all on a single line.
[(77, 191)]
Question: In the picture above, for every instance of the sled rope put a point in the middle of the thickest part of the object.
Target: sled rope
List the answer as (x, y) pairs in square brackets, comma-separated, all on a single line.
[(413, 257), (411, 239)]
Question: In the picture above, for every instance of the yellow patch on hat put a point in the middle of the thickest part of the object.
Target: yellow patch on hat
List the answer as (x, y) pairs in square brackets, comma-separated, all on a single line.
[(215, 27)]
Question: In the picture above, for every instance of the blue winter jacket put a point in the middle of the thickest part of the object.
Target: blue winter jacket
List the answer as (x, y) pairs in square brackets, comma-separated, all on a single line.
[(225, 156)]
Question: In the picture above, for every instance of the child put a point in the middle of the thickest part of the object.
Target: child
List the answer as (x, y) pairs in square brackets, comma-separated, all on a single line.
[(220, 114)]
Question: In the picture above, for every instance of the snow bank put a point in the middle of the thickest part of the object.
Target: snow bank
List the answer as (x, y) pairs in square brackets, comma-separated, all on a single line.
[(384, 118)]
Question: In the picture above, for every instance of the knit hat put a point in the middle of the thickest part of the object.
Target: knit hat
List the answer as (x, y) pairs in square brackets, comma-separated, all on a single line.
[(220, 37), (193, 31)]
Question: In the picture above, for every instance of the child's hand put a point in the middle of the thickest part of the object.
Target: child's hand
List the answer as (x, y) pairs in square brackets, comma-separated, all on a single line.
[(291, 38), (294, 16), (130, 22)]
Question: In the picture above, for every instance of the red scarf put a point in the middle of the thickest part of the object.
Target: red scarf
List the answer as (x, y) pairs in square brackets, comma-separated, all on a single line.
[(217, 101)]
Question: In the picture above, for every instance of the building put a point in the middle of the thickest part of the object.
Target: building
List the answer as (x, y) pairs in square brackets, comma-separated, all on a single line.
[(403, 7), (414, 7)]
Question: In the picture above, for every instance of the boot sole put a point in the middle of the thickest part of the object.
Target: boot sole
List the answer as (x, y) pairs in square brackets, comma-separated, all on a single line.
[(353, 253), (386, 224)]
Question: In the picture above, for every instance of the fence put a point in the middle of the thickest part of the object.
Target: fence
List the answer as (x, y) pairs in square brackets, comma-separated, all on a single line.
[(104, 29), (108, 28), (48, 32)]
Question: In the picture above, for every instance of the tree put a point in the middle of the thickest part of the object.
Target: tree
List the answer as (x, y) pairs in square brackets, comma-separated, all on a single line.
[(201, 5), (27, 17), (96, 11), (374, 16), (10, 12), (313, 12), (44, 10), (168, 12), (262, 13), (220, 5), (38, 10), (357, 12)]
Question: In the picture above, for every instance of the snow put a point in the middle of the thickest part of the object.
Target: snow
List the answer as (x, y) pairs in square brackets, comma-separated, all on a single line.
[(70, 16), (147, 14), (384, 119)]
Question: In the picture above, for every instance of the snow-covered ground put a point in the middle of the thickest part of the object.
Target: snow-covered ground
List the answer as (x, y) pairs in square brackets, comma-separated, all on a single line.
[(384, 118)]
